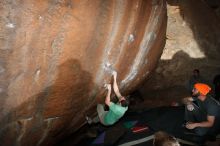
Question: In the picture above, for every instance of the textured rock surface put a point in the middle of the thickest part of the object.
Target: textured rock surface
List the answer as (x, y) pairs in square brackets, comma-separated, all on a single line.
[(193, 40), (215, 5), (56, 55)]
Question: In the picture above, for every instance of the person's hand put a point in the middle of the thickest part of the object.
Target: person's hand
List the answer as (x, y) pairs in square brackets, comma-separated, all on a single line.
[(190, 107), (190, 125), (187, 100), (114, 73), (108, 86)]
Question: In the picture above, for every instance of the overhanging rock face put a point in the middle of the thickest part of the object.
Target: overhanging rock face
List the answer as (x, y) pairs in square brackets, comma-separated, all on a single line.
[(56, 55)]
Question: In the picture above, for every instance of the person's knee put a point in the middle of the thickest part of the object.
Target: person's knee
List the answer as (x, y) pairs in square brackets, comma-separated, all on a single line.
[(201, 131)]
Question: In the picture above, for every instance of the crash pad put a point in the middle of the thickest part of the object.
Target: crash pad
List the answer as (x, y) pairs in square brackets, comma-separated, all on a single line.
[(130, 124), (99, 139)]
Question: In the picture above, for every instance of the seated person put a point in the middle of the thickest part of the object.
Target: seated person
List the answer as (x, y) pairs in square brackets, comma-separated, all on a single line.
[(195, 78), (116, 110), (202, 112)]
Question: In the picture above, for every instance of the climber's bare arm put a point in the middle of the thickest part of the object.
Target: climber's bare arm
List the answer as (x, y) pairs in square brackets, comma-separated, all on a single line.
[(107, 98), (115, 86), (187, 100)]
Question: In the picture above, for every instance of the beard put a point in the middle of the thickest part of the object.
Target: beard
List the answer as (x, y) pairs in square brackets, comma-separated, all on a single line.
[(195, 94)]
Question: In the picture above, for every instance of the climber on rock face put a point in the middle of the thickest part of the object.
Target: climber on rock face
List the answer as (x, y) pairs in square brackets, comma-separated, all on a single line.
[(116, 110)]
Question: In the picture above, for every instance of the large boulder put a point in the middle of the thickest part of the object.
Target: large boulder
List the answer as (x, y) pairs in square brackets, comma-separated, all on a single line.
[(56, 55)]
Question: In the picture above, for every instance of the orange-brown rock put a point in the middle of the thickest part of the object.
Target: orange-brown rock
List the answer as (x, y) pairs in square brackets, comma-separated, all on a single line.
[(56, 55)]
